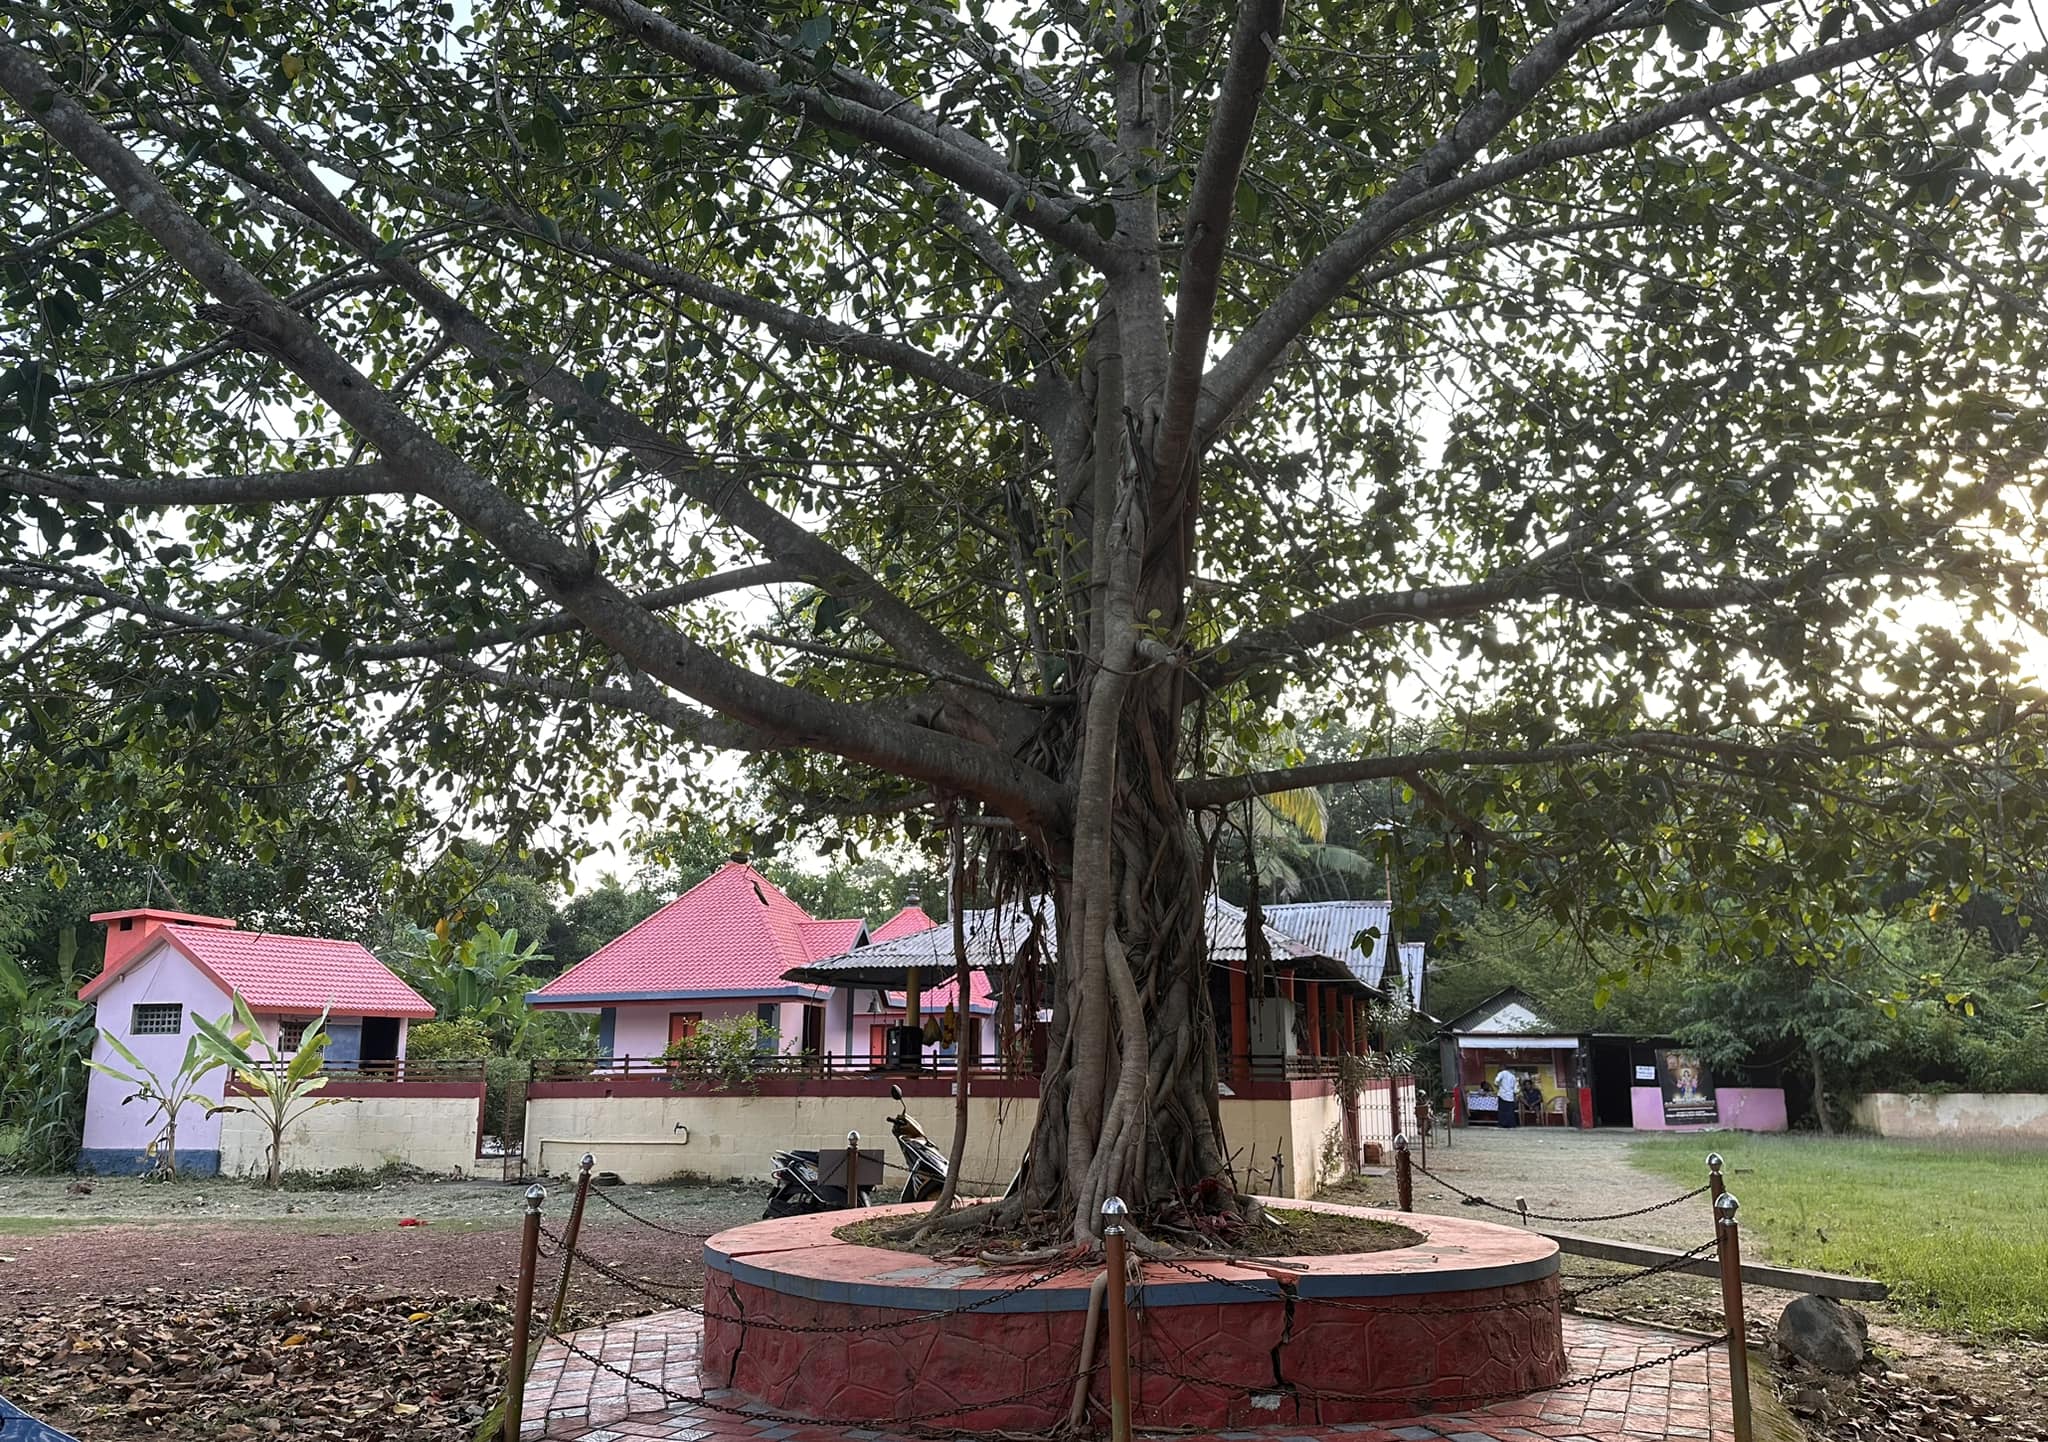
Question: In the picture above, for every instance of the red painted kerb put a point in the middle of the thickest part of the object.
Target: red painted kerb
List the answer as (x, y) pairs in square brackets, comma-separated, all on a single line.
[(1470, 1311)]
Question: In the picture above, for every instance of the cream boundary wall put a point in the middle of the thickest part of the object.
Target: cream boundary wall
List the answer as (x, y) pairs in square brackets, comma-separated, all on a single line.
[(734, 1137), (435, 1134), (1956, 1116), (1255, 1128)]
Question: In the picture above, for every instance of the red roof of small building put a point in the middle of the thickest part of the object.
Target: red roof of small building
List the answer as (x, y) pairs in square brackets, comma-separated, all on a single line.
[(829, 938), (278, 974), (907, 922), (732, 934)]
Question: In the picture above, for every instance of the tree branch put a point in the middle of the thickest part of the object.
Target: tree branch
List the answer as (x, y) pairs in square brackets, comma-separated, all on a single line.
[(703, 727), (723, 495), (432, 647), (1065, 117), (1434, 183), (901, 128), (787, 715), (1379, 610), (1209, 792), (1207, 224), (149, 492), (887, 350)]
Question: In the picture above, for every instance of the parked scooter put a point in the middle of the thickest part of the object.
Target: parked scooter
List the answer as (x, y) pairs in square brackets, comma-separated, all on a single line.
[(794, 1188), (925, 1163)]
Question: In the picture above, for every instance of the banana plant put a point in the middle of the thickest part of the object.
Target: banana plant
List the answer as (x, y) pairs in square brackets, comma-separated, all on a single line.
[(277, 1093), (485, 975), (166, 1097)]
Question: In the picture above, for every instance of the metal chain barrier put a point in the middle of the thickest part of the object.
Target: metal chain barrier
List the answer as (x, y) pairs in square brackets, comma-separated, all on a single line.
[(1479, 1201), (1566, 1297), (1317, 1394), (603, 1195), (1607, 1284), (914, 1423), (653, 1293)]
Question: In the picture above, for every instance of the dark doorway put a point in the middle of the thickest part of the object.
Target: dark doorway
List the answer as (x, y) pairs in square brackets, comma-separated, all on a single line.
[(814, 1030), (1612, 1106), (380, 1041)]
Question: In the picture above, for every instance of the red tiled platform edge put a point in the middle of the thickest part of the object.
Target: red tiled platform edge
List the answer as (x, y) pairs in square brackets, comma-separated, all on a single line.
[(1469, 1313)]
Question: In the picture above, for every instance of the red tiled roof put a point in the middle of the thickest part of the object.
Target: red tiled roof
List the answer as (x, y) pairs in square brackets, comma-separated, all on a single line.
[(301, 975), (829, 938), (732, 934), (907, 922)]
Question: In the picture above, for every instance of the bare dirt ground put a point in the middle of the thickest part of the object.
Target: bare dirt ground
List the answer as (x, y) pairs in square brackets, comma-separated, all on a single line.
[(202, 1310), (219, 1199), (1926, 1384)]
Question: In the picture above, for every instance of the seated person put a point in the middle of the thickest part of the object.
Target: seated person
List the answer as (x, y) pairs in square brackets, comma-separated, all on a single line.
[(1532, 1097)]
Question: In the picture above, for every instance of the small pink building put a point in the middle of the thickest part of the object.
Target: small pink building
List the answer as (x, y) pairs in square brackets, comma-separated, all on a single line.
[(162, 968), (718, 950)]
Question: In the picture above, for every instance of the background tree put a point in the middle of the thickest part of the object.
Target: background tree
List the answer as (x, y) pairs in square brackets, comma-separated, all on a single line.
[(1021, 412)]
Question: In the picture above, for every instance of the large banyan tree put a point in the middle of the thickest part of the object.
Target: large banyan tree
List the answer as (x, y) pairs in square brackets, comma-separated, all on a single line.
[(1048, 415)]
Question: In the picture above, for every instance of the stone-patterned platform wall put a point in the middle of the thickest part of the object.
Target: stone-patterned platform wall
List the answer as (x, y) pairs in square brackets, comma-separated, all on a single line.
[(1472, 1313)]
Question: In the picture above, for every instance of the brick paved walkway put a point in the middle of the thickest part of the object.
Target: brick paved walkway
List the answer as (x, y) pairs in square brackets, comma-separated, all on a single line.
[(568, 1398)]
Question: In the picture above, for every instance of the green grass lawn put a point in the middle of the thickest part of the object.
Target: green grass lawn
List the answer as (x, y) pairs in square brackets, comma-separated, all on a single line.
[(1960, 1235)]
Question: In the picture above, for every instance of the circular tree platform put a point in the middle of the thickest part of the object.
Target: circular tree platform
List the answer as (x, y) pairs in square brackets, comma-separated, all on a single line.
[(821, 1328)]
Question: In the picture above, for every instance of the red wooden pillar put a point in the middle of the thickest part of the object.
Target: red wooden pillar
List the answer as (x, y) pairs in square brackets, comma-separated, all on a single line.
[(1315, 1018), (1351, 1025), (1240, 1032)]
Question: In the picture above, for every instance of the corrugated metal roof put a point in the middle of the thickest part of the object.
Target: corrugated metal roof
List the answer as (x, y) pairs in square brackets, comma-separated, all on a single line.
[(994, 937), (1225, 926), (299, 975), (734, 933), (1336, 928)]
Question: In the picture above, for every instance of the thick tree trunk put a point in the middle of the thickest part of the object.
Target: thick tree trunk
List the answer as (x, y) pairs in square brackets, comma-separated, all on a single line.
[(1820, 1096), (1129, 1096)]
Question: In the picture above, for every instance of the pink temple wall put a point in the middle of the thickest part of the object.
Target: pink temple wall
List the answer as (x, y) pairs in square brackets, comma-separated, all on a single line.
[(1743, 1109), (641, 1029), (161, 977)]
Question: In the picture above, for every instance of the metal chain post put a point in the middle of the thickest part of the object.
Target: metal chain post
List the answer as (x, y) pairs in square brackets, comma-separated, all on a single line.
[(1113, 1256), (522, 1311), (1728, 1243), (853, 1169), (569, 1237), (1404, 1173), (1716, 1188)]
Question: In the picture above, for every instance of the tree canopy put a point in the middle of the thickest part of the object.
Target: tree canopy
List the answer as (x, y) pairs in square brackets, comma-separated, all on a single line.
[(1014, 415)]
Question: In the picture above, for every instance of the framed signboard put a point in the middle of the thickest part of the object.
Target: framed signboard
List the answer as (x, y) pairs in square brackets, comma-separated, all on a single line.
[(1688, 1089)]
